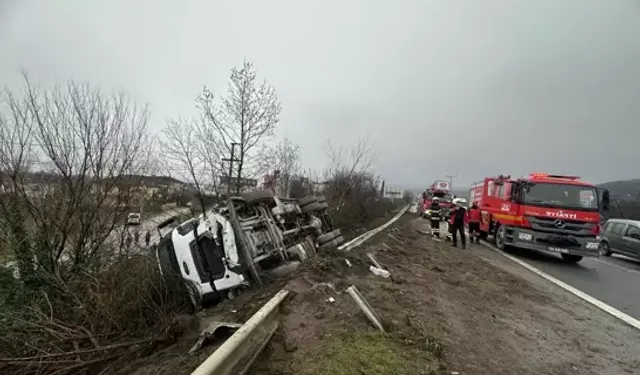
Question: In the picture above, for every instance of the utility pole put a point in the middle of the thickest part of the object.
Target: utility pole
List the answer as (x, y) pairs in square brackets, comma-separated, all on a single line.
[(231, 159), (451, 177)]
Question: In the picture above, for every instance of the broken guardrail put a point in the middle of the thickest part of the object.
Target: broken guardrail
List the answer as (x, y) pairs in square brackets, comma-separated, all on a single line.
[(363, 237), (240, 351)]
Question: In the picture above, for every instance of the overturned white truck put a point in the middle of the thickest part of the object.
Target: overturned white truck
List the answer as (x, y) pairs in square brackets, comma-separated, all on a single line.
[(251, 237)]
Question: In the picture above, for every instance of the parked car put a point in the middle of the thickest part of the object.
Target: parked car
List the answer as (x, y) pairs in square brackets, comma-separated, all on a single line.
[(252, 236), (133, 219), (620, 236)]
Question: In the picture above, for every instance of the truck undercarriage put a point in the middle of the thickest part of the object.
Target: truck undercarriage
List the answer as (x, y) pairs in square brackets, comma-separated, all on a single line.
[(252, 237)]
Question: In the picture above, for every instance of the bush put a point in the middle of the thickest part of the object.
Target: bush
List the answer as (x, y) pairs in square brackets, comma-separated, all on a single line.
[(89, 320), (356, 200)]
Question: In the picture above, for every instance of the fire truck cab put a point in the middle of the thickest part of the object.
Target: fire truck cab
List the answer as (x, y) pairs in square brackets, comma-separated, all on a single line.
[(440, 190), (542, 212)]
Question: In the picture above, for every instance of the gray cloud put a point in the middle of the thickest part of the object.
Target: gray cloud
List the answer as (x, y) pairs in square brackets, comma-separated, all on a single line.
[(466, 87)]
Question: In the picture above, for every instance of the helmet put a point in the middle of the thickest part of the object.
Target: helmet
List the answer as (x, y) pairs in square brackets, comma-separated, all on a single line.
[(459, 201), (435, 199)]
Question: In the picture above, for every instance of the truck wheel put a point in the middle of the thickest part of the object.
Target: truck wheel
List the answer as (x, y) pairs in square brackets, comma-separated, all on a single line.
[(260, 197), (310, 246), (315, 206), (238, 199), (570, 258), (605, 251), (331, 244), (501, 238), (243, 245), (324, 238), (306, 200)]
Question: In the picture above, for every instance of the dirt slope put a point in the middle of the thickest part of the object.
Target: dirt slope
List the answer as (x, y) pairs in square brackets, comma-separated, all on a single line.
[(446, 310)]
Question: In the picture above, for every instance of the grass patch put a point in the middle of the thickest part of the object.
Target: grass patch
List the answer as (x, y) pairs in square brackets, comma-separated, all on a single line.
[(371, 353)]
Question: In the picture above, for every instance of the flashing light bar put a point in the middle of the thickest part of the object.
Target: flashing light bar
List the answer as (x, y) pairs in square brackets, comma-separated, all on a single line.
[(554, 176)]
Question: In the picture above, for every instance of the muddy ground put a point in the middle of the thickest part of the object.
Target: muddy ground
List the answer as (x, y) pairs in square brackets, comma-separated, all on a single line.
[(445, 310)]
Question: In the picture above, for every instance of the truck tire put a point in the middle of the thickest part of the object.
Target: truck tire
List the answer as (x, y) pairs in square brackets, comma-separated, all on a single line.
[(570, 258), (260, 197), (315, 206), (306, 200), (334, 243), (324, 238), (501, 238), (310, 246), (243, 245)]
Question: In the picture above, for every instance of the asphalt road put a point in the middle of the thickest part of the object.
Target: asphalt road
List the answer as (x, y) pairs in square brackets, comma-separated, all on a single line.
[(613, 280)]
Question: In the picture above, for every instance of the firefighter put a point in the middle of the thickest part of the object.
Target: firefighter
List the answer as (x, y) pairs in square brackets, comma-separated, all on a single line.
[(474, 223), (459, 220), (434, 217), (452, 212)]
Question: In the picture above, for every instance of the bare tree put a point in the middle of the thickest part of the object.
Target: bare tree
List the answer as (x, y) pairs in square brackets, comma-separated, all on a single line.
[(349, 167), (282, 161), (72, 158), (180, 145), (247, 116)]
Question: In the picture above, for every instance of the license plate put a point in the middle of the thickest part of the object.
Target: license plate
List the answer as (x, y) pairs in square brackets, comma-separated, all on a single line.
[(557, 249)]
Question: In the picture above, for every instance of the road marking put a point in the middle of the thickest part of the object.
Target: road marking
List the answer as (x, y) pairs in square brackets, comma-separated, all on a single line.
[(578, 293), (615, 265)]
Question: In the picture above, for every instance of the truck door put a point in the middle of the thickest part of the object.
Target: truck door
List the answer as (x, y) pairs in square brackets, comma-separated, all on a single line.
[(498, 199)]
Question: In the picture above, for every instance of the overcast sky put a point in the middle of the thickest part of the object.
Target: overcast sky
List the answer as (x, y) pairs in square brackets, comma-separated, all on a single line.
[(463, 87)]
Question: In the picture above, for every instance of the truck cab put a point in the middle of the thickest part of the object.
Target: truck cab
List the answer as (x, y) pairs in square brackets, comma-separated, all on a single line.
[(542, 212)]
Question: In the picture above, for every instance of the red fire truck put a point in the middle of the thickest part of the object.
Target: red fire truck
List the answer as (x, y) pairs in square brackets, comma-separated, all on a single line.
[(441, 190), (552, 213)]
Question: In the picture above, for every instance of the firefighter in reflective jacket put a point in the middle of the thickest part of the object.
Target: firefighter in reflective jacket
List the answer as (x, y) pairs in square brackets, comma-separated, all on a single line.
[(434, 217), (474, 223)]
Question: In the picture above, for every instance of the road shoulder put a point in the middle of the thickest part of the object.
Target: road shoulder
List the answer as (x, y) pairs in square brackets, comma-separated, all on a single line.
[(453, 310)]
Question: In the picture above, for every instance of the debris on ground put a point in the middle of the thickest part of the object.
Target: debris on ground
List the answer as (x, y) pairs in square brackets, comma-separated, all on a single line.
[(379, 272), (444, 311)]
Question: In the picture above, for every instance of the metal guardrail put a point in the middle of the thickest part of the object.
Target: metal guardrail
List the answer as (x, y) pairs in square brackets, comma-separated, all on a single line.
[(363, 237), (239, 352)]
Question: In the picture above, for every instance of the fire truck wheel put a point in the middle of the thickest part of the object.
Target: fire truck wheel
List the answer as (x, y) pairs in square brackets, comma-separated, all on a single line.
[(260, 197), (570, 258), (306, 200), (324, 238), (315, 206), (501, 238)]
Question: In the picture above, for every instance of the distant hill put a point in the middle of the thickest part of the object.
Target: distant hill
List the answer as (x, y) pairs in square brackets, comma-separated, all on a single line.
[(623, 189)]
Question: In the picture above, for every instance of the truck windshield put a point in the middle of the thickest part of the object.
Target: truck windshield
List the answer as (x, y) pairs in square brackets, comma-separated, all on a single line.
[(562, 196), (442, 196)]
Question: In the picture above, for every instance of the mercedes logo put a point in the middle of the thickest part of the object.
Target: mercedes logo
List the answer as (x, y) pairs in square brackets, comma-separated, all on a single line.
[(558, 223)]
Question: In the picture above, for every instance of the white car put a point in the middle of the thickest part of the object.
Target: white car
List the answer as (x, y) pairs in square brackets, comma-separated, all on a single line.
[(133, 219)]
